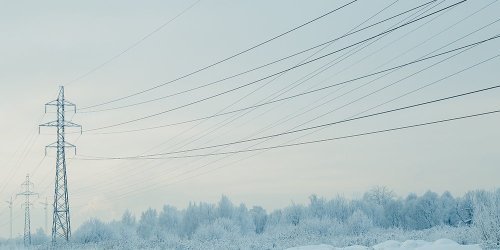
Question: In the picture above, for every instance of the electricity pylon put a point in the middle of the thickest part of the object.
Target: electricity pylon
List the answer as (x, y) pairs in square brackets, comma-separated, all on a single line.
[(27, 223), (10, 211), (61, 224), (45, 208)]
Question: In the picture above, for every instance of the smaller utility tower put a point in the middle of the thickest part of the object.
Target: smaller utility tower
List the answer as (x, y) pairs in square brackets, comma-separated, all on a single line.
[(28, 186), (10, 211), (45, 208)]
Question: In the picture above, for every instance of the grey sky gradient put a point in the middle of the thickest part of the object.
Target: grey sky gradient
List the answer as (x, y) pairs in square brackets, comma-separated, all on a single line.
[(47, 44)]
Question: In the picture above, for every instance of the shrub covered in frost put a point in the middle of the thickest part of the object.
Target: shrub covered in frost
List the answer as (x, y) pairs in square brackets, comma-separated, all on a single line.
[(487, 218), (358, 223), (94, 231)]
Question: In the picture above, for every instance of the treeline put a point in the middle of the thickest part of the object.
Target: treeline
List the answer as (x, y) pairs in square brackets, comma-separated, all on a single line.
[(377, 209), (378, 216)]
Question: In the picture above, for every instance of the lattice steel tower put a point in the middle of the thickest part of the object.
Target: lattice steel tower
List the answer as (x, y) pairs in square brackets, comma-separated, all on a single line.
[(61, 224), (45, 209), (28, 185), (10, 212)]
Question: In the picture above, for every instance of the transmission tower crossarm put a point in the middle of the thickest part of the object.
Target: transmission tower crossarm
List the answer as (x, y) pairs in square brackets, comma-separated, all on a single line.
[(52, 103), (60, 100), (58, 123), (65, 124), (48, 124), (56, 145), (27, 193)]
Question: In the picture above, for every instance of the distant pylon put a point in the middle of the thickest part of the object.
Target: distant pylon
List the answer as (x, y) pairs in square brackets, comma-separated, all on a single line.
[(10, 212), (27, 223), (61, 224), (45, 208)]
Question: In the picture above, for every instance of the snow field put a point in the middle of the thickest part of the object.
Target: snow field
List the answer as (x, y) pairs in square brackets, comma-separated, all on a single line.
[(441, 244)]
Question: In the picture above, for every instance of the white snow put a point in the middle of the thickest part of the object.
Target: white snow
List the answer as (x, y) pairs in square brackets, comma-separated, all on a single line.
[(328, 247), (441, 244)]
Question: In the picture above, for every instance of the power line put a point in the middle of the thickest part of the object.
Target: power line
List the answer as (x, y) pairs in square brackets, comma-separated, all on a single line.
[(352, 136), (381, 104), (441, 47), (400, 80), (23, 154), (359, 135), (310, 91), (295, 84), (295, 131), (328, 43), (233, 119), (272, 75), (343, 57), (349, 136), (340, 138), (135, 44), (260, 87), (404, 78), (446, 29), (227, 58), (405, 94), (37, 166)]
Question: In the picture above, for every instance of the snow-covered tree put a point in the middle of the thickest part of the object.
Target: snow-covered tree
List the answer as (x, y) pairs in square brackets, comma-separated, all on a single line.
[(422, 212), (338, 208), (148, 224), (487, 218), (465, 208), (259, 217), (317, 206), (294, 214), (448, 205), (379, 195), (225, 207), (93, 231), (128, 219), (394, 214), (242, 217), (220, 229), (428, 210), (39, 237), (195, 215), (358, 223), (169, 219), (190, 220), (274, 218)]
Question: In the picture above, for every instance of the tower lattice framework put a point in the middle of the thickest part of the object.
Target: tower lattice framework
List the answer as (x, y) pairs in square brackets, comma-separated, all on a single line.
[(28, 187), (61, 223)]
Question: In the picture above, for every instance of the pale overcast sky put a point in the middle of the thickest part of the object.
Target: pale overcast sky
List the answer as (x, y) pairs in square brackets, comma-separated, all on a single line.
[(47, 44)]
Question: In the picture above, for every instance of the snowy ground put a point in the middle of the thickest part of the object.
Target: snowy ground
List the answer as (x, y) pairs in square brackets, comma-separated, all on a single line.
[(441, 244)]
